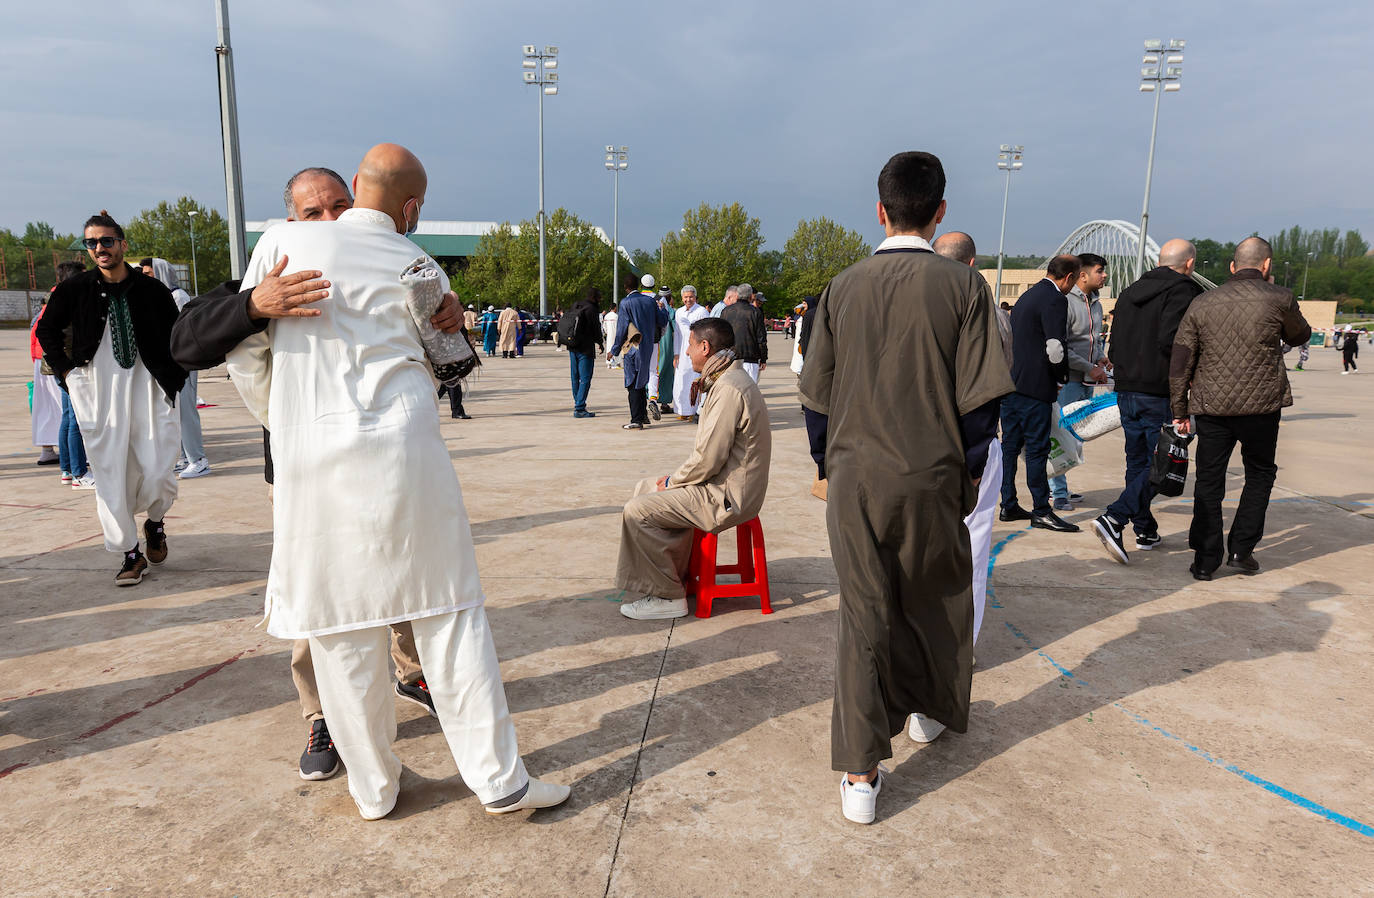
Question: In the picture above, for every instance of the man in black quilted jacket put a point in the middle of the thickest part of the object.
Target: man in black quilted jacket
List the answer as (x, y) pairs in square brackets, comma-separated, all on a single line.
[(1227, 371)]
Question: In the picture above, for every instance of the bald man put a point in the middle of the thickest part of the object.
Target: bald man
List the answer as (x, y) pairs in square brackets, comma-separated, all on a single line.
[(1143, 328), (354, 421)]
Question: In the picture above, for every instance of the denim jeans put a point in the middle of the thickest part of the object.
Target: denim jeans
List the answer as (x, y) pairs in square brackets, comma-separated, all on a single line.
[(1070, 392), (1142, 416), (71, 449), (580, 365), (1217, 436), (1026, 424)]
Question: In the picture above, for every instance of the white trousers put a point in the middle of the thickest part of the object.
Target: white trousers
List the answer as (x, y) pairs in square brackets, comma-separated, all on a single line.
[(653, 374), (752, 369), (353, 673), (47, 406), (979, 524)]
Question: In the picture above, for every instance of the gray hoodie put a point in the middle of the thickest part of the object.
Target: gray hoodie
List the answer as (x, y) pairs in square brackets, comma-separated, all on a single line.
[(1085, 334)]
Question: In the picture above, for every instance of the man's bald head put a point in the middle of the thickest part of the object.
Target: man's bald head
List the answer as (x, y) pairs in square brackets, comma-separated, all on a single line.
[(391, 179), (1178, 254), (956, 245), (1252, 252)]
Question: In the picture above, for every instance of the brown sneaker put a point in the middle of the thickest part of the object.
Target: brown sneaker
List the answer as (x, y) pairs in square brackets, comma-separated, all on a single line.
[(131, 573), (157, 541)]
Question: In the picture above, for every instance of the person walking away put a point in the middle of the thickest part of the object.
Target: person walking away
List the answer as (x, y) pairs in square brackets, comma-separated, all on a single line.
[(123, 385), (1088, 364), (1350, 348), (585, 344), (751, 331), (608, 325), (71, 449), (193, 462), (1227, 372), (508, 324), (45, 414), (489, 331), (1143, 328), (639, 326)]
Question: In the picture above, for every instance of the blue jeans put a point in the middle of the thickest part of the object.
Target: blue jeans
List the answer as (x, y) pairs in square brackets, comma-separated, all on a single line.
[(580, 365), (1070, 392), (71, 449), (1026, 423), (1142, 416)]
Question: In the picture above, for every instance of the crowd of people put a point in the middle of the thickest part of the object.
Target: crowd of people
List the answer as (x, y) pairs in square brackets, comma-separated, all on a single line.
[(371, 576)]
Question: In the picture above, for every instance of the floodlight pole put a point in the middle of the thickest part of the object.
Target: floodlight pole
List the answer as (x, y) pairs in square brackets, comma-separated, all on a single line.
[(543, 271), (229, 132), (1008, 159), (539, 70), (1163, 72), (195, 275), (1149, 173), (1306, 266), (617, 161)]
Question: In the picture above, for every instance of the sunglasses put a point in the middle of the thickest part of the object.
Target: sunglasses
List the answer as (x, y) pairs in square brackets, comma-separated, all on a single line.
[(93, 242)]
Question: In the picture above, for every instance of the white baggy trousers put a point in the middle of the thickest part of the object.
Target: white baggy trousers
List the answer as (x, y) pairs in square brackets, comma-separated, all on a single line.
[(353, 673), (979, 524)]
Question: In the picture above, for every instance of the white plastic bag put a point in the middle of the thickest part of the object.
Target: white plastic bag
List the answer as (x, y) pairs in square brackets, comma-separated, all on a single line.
[(1065, 451)]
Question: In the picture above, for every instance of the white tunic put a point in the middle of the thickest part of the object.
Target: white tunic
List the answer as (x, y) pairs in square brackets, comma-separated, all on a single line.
[(684, 375), (370, 527), (133, 439), (47, 406)]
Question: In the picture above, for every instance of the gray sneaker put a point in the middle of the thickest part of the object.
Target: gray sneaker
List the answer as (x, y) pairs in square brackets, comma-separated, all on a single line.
[(320, 760)]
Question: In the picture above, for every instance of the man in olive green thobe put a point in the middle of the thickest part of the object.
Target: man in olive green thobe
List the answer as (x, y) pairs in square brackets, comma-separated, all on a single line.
[(905, 359)]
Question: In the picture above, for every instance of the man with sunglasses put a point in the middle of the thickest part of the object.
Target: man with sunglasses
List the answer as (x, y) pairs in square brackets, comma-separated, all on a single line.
[(123, 385)]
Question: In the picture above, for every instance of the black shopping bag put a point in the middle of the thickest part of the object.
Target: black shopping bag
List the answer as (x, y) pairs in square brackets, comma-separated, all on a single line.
[(1169, 470)]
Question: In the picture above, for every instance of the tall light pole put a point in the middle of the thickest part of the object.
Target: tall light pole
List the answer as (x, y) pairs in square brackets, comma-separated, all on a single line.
[(195, 276), (1306, 265), (229, 132), (540, 69), (1162, 72), (1008, 160), (617, 161)]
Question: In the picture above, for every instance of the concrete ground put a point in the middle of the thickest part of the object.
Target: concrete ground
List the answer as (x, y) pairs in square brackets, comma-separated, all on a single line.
[(1133, 731)]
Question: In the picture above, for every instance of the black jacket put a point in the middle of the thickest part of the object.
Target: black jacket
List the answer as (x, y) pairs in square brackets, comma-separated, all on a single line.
[(589, 335), (751, 332), (211, 325), (81, 304), (1144, 322), (1039, 327)]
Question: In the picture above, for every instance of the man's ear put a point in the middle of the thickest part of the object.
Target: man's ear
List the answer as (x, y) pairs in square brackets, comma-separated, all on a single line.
[(940, 212), (1233, 267), (882, 214), (355, 184)]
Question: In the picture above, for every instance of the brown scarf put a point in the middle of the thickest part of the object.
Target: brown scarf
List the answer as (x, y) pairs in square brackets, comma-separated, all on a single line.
[(715, 366)]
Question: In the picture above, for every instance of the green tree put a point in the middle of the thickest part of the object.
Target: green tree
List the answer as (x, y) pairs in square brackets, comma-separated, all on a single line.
[(505, 267), (818, 250), (40, 247), (38, 233), (165, 231), (717, 246)]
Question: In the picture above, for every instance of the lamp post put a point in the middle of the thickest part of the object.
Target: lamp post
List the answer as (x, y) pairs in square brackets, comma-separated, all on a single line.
[(191, 226), (1008, 160), (1162, 73), (1306, 265), (229, 134), (1286, 281), (617, 161), (540, 69)]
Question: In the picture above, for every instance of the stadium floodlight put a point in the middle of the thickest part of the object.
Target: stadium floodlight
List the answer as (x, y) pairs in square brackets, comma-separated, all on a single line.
[(540, 69), (617, 161), (1008, 160), (1153, 77)]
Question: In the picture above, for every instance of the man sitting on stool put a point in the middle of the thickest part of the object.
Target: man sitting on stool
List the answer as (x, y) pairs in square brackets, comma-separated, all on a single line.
[(720, 485)]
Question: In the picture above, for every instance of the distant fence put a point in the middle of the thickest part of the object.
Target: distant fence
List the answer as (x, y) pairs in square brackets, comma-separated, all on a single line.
[(19, 306)]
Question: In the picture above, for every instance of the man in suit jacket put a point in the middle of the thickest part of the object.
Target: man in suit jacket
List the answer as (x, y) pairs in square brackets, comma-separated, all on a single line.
[(720, 485), (1039, 323)]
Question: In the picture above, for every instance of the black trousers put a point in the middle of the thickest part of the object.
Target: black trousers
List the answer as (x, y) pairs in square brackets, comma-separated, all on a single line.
[(455, 399), (1217, 436), (639, 405)]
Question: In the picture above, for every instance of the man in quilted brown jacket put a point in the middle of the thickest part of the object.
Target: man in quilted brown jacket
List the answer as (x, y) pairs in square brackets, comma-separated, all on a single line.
[(1227, 371)]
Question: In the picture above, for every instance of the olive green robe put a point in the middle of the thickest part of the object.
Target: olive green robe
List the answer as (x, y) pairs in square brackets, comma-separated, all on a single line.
[(903, 343)]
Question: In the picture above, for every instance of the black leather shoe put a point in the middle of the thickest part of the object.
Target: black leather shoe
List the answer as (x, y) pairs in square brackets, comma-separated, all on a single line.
[(1197, 574), (1051, 521), (1246, 564), (1015, 513)]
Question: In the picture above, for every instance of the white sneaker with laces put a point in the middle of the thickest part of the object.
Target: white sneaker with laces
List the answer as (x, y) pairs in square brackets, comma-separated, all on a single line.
[(922, 729), (198, 468), (859, 801), (84, 482), (180, 465), (654, 608), (539, 795)]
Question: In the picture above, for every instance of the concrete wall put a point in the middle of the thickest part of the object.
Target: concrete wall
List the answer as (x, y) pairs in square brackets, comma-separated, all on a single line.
[(19, 305)]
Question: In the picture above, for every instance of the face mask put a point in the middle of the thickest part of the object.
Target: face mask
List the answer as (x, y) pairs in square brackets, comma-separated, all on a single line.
[(411, 228)]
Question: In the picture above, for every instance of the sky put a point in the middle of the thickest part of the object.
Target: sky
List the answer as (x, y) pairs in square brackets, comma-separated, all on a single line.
[(790, 109)]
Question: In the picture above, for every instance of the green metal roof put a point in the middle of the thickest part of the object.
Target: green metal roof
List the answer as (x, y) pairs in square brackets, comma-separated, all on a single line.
[(440, 246)]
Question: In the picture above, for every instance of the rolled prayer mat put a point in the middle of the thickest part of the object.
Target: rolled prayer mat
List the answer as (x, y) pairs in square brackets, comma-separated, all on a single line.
[(1089, 419)]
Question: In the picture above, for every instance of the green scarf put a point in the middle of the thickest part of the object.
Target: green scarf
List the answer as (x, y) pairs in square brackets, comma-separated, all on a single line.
[(122, 329)]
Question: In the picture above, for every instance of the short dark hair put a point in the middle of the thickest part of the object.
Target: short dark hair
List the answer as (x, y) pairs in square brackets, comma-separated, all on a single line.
[(629, 282), (911, 187), (1006, 305), (305, 172), (1091, 260), (1062, 266), (68, 269), (1252, 252), (716, 332), (146, 260), (102, 219), (592, 295)]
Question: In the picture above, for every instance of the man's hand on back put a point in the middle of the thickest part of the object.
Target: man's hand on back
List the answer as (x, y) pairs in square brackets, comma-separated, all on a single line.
[(662, 483), (449, 316), (282, 297)]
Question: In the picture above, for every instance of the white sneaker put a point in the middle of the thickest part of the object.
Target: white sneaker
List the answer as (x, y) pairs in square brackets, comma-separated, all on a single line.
[(198, 468), (180, 465), (923, 729), (859, 801), (654, 608), (84, 482), (67, 477), (1345, 372), (539, 795)]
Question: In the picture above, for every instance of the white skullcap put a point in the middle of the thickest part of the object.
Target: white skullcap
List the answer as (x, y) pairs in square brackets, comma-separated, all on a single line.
[(647, 281)]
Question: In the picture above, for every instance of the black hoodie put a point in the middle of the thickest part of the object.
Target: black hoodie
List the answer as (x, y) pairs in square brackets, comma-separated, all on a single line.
[(1144, 322)]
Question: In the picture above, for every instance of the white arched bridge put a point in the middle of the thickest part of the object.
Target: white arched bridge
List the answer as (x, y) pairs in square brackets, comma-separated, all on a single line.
[(1118, 242)]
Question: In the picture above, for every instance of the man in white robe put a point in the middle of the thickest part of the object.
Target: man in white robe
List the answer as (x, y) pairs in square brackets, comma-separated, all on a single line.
[(683, 375), (349, 401)]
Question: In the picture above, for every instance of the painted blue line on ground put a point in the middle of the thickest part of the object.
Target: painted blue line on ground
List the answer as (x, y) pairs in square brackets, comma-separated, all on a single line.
[(1291, 797)]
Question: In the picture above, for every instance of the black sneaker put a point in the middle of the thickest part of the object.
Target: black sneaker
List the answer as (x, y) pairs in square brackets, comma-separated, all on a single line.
[(320, 760), (417, 692), (1148, 541), (131, 574), (1109, 533), (156, 537), (1246, 564), (654, 412)]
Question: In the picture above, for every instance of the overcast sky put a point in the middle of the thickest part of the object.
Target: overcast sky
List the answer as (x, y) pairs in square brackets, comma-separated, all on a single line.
[(789, 108)]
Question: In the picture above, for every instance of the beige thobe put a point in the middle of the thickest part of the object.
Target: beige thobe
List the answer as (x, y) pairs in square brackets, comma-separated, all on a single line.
[(721, 485), (508, 324)]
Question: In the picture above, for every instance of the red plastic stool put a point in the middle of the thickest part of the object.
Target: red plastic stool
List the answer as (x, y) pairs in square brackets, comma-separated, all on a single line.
[(751, 566)]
